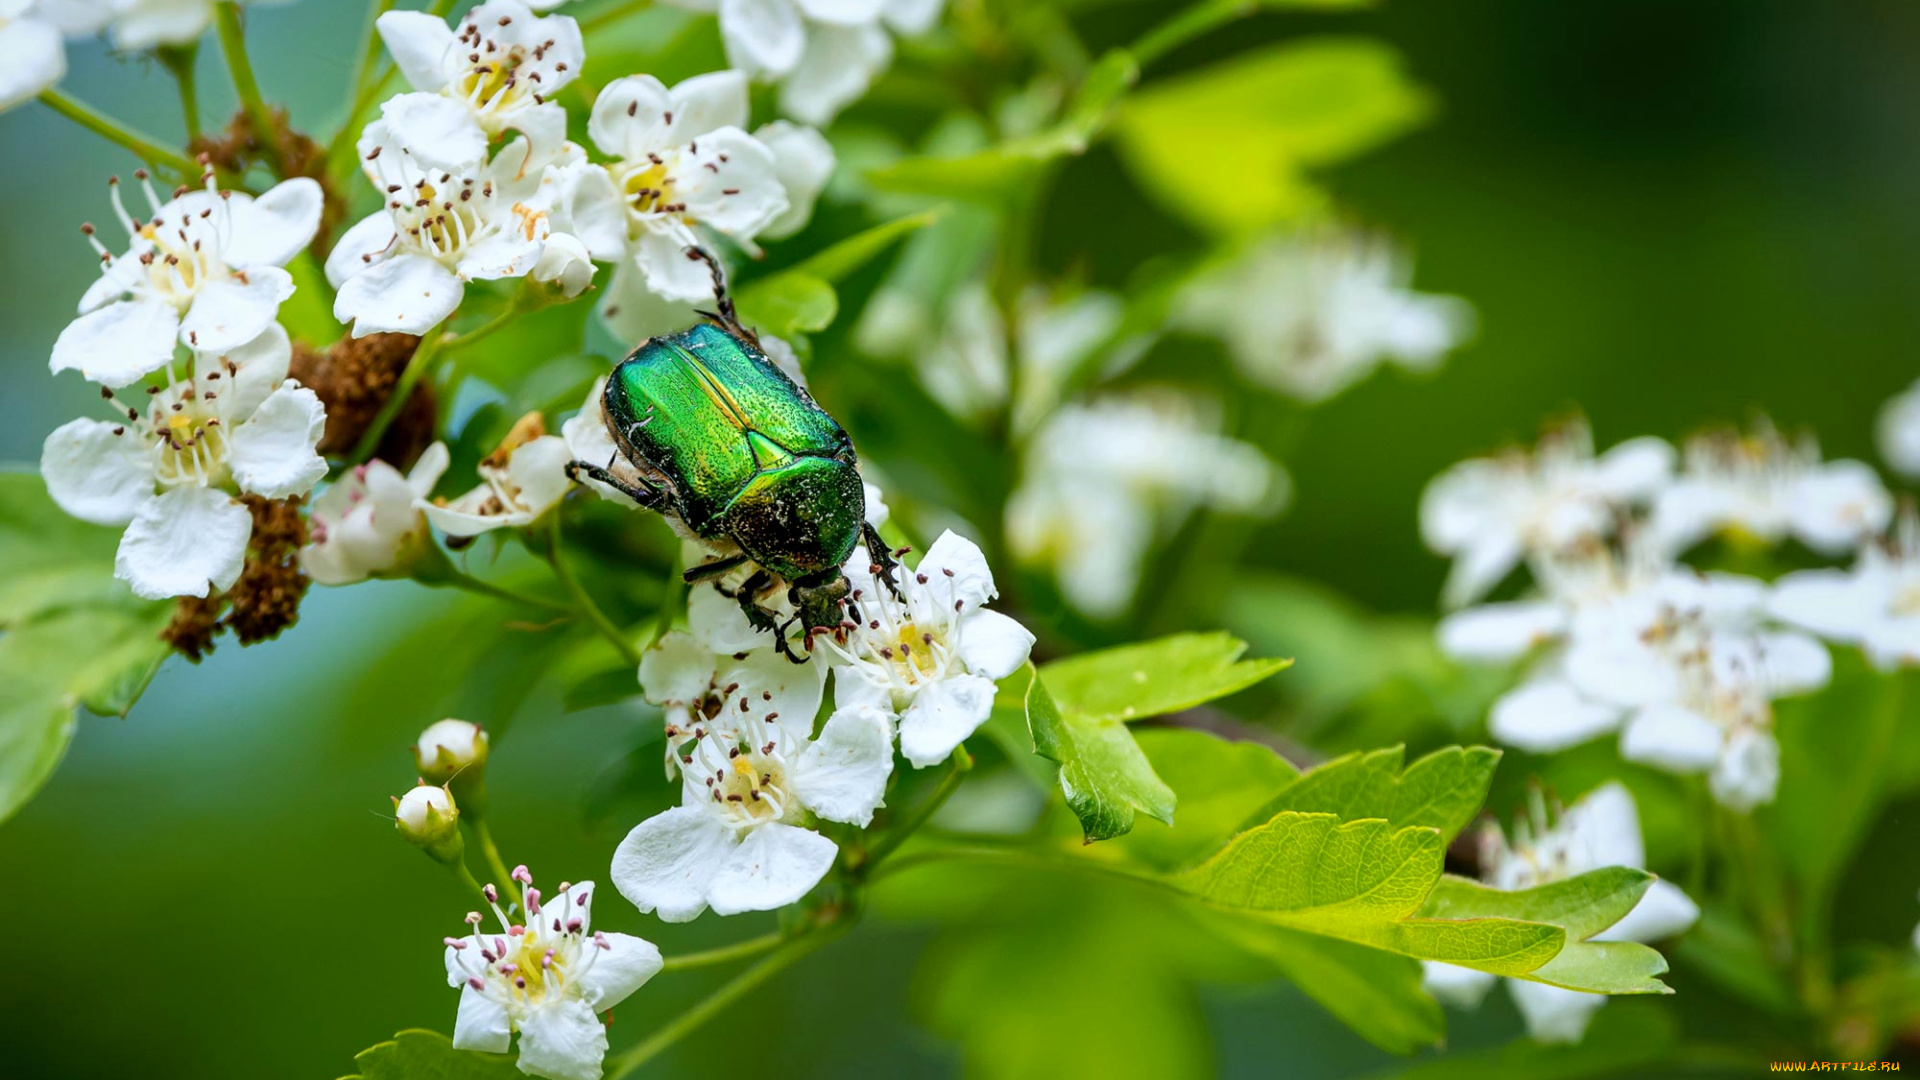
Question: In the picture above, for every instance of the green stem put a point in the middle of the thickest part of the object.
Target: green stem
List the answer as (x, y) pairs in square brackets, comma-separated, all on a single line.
[(181, 60), (591, 610), (342, 144), (369, 51), (1187, 25), (459, 579), (461, 341), (153, 153), (233, 44), (960, 764), (492, 852), (465, 875), (613, 14), (718, 1001), (417, 368), (724, 954)]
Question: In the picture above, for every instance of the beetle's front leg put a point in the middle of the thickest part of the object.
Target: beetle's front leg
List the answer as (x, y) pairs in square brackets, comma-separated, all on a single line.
[(707, 571), (748, 598), (649, 497), (884, 564)]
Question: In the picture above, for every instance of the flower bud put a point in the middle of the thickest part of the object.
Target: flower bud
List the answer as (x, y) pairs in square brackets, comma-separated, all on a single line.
[(428, 818), (453, 753)]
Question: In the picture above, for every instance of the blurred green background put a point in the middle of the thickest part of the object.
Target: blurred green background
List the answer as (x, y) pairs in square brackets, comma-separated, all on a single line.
[(1666, 213)]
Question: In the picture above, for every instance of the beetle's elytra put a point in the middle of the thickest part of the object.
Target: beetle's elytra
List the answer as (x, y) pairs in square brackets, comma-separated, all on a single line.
[(728, 446)]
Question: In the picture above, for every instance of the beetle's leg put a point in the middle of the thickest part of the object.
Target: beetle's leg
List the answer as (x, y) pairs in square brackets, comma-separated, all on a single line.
[(728, 318), (645, 494), (748, 597), (708, 570), (884, 564)]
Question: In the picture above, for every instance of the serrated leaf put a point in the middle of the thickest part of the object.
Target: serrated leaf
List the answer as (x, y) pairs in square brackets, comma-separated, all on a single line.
[(788, 303), (1152, 678), (429, 1055), (1584, 905), (1216, 783), (1103, 774), (1443, 790), (1265, 118), (1361, 881)]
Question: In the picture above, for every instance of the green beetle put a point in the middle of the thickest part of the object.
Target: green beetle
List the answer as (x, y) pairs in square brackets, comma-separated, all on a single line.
[(730, 448)]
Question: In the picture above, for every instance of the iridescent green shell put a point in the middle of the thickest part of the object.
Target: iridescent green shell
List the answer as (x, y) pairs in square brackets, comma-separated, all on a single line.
[(742, 453)]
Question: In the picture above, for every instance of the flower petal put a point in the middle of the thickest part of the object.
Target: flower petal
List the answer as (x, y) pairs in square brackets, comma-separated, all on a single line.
[(1672, 738), (623, 966), (359, 246), (482, 1023), (1839, 504), (661, 254), (228, 312), (667, 863), (843, 12), (941, 717), (438, 132), (1748, 772), (842, 775), (1832, 603), (1451, 984), (32, 58), (1605, 824), (803, 163), (706, 103), (1554, 1014), (731, 185), (408, 294), (771, 683), (562, 1039), (272, 454), (183, 540), (774, 866), (119, 343), (837, 66), (676, 670), (763, 37), (629, 118), (633, 312), (993, 645), (909, 18), (1662, 913), (419, 43), (1500, 632), (277, 225), (96, 475), (1548, 716), (1634, 470), (960, 562), (249, 372), (539, 471)]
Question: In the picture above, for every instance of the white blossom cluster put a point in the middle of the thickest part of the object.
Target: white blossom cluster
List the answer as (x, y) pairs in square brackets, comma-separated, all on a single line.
[(1620, 636)]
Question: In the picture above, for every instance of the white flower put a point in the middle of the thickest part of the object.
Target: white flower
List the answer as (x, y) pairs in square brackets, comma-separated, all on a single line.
[(204, 271), (367, 521), (699, 676), (738, 841), (147, 24), (1312, 314), (803, 163), (547, 979), (521, 480), (498, 71), (1101, 481), (1768, 488), (825, 53), (931, 657), (167, 473), (681, 159), (1875, 605), (32, 55), (1602, 829), (1491, 512), (1899, 431), (404, 268)]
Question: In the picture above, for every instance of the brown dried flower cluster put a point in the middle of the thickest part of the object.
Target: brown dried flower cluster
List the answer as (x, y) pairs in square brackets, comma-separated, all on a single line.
[(266, 598)]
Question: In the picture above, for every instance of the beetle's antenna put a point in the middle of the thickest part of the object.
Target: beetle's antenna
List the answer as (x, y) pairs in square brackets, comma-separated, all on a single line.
[(728, 318)]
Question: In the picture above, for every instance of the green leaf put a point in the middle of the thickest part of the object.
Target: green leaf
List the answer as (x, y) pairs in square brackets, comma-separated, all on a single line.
[(52, 560), (1377, 994), (99, 656), (429, 1055), (1628, 1039), (1361, 881), (1228, 148), (1584, 905), (788, 303), (1443, 790), (834, 262), (1152, 678), (1102, 772), (1216, 783)]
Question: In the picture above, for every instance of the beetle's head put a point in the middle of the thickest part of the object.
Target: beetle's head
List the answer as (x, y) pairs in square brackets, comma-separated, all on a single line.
[(820, 599)]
